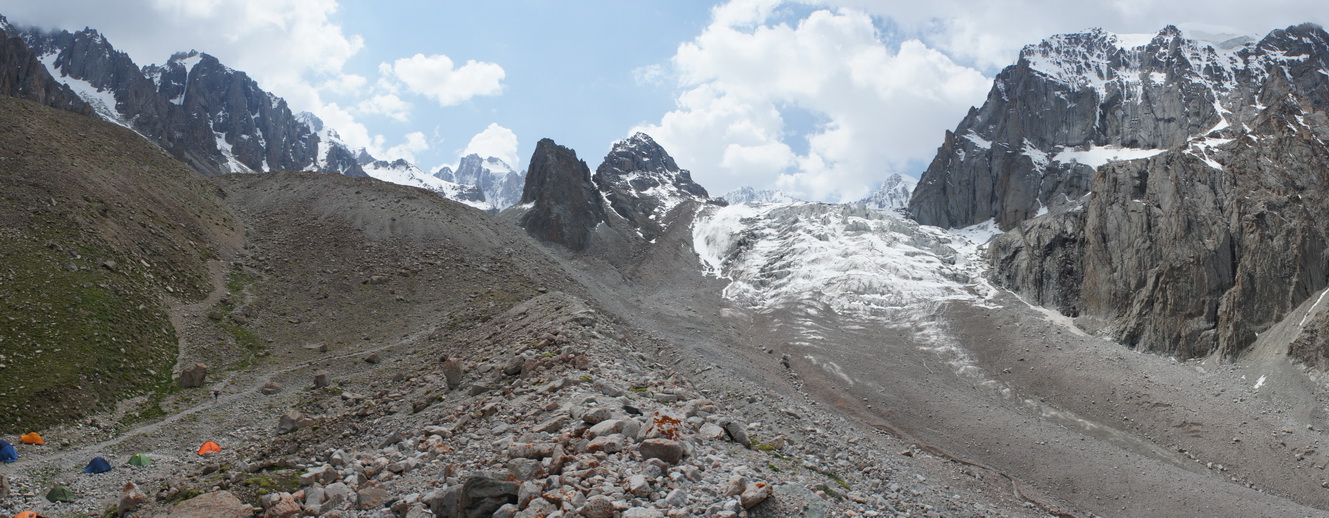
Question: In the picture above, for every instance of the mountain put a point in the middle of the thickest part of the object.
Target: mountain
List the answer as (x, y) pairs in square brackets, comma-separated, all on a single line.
[(402, 172), (641, 183), (500, 184), (893, 194), (632, 199), (1077, 101), (26, 78), (214, 118), (754, 196), (1205, 233)]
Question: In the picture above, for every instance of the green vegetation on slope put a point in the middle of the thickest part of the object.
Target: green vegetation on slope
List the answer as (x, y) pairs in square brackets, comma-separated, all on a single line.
[(98, 229)]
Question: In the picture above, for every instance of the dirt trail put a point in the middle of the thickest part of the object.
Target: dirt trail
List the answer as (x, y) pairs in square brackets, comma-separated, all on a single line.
[(230, 401)]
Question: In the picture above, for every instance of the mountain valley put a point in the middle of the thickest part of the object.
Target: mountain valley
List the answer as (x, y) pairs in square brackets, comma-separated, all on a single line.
[(1033, 329)]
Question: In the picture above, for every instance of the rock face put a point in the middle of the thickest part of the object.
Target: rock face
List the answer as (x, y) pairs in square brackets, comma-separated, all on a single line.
[(1075, 101), (210, 116), (632, 199), (26, 78), (1199, 249), (565, 205), (496, 181), (642, 184)]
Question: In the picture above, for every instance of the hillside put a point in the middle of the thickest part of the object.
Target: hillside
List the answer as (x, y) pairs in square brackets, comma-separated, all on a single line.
[(100, 233)]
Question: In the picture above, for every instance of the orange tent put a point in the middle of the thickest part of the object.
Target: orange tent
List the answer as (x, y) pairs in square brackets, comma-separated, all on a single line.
[(208, 447), (31, 438), (26, 514)]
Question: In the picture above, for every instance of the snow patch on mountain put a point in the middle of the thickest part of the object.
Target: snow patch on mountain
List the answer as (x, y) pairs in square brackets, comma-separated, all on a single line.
[(102, 101), (1095, 156)]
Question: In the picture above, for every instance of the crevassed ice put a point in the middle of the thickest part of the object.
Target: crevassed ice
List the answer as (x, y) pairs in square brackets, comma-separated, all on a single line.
[(848, 258)]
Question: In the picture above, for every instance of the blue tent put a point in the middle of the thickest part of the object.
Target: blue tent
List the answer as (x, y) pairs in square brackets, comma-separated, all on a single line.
[(7, 452), (98, 465)]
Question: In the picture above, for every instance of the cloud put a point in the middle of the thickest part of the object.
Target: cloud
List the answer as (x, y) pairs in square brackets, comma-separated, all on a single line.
[(388, 105), (415, 143), (495, 141), (434, 77), (883, 108)]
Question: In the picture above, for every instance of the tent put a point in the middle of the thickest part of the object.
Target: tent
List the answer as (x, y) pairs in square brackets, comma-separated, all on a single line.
[(208, 447), (7, 452), (98, 465), (31, 438), (26, 514), (140, 460), (60, 493)]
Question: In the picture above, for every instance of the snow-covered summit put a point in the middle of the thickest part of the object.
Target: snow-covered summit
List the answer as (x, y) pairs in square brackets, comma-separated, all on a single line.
[(501, 184), (643, 184), (405, 173), (892, 195), (753, 196)]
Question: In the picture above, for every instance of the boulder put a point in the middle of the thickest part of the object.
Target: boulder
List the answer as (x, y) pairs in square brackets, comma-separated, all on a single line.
[(738, 431), (481, 495), (291, 421), (667, 450), (270, 388), (598, 506), (373, 497), (452, 373), (220, 504), (193, 376), (131, 498), (320, 379), (283, 506)]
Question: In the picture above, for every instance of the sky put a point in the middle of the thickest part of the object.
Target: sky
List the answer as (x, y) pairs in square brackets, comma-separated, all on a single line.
[(822, 99)]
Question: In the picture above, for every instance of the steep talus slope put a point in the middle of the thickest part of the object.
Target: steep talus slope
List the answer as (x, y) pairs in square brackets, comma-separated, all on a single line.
[(1075, 101), (333, 260), (99, 232), (1201, 248)]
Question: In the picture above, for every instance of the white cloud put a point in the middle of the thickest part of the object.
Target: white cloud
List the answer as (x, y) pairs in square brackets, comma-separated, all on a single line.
[(344, 84), (434, 77), (495, 141), (415, 143), (885, 107), (388, 105)]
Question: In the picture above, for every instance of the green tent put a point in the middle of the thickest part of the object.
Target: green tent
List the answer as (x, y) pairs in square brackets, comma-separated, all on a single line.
[(140, 460), (60, 493)]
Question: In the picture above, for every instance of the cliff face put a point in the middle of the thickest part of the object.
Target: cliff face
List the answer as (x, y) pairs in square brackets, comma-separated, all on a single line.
[(1198, 249), (564, 205), (23, 76), (1076, 101), (210, 116)]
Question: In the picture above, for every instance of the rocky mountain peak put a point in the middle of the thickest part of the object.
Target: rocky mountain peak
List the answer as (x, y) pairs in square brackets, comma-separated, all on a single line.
[(893, 193), (643, 184), (1192, 149), (560, 200)]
